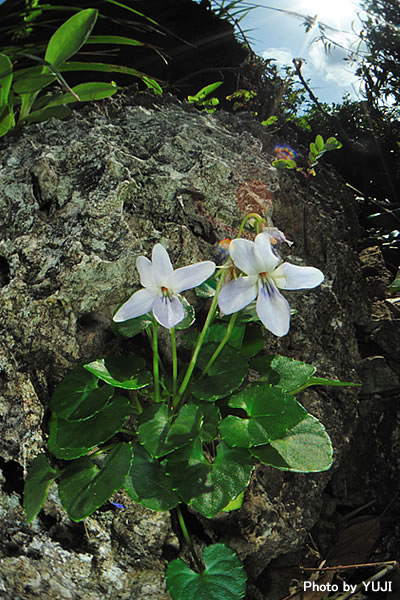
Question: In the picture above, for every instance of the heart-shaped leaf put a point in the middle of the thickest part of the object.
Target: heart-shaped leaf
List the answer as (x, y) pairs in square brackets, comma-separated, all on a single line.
[(209, 486), (132, 327), (306, 448), (271, 413), (229, 476), (223, 578), (39, 477), (78, 396), (70, 440), (148, 484), (83, 487), (187, 469)]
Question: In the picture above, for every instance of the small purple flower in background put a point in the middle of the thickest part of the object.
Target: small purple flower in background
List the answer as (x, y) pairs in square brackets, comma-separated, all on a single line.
[(277, 238), (266, 274), (284, 152), (161, 288)]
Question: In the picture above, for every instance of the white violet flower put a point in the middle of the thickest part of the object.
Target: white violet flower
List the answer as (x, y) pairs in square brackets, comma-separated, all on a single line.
[(265, 276), (161, 288)]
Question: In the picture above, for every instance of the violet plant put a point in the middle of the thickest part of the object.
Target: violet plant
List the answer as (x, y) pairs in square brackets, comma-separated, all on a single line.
[(190, 433), (286, 155)]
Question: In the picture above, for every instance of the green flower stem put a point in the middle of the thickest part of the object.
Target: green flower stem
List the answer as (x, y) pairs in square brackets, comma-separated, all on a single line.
[(137, 408), (247, 217), (221, 344), (150, 338), (156, 375), (186, 535), (199, 344), (174, 362)]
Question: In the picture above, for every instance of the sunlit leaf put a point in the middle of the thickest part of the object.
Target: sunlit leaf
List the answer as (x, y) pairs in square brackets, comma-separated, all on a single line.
[(282, 371), (70, 36), (271, 412), (306, 448)]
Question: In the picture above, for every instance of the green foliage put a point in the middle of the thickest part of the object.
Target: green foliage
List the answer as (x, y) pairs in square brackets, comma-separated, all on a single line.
[(223, 577), (20, 89), (172, 463), (304, 448), (40, 476), (201, 101), (166, 442), (83, 486), (241, 98), (317, 150), (22, 97)]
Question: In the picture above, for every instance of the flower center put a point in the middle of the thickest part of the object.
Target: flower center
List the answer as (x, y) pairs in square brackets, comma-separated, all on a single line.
[(165, 292)]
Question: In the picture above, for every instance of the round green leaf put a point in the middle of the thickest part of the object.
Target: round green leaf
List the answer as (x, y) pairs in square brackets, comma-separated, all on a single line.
[(83, 487), (148, 484), (223, 578), (319, 143), (78, 396), (39, 477), (210, 389), (211, 418), (229, 476), (271, 413), (217, 332), (306, 448), (228, 358), (70, 439), (284, 163)]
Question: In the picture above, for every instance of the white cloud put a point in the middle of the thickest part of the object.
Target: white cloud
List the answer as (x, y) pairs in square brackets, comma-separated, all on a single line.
[(282, 56)]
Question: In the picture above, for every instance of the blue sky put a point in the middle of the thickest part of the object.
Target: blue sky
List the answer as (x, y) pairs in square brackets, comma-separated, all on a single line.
[(282, 36)]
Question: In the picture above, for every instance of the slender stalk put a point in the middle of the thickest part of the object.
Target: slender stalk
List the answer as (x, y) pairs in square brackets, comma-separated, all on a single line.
[(156, 375), (247, 217), (199, 344), (186, 535), (174, 362), (221, 344), (137, 407)]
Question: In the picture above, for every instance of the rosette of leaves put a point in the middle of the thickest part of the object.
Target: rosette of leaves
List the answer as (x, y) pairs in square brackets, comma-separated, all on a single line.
[(200, 451)]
